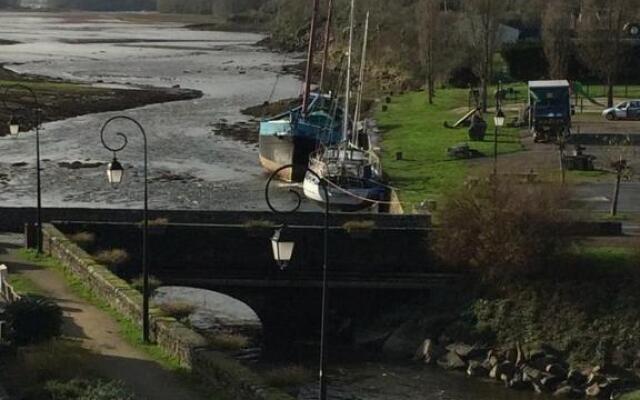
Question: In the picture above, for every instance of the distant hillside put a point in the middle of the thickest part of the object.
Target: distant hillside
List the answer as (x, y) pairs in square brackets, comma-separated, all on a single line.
[(103, 5), (215, 7)]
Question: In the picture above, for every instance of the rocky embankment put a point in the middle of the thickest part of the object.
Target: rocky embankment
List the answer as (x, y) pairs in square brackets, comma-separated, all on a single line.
[(543, 369)]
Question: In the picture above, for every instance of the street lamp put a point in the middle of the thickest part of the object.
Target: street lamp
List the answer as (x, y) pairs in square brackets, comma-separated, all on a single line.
[(115, 174), (34, 117), (283, 248)]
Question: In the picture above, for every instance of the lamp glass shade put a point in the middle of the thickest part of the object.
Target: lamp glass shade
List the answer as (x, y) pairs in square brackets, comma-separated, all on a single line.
[(115, 172), (282, 249), (14, 128), (499, 119)]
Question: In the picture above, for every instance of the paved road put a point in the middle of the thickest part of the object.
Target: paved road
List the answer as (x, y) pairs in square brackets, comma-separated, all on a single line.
[(112, 357)]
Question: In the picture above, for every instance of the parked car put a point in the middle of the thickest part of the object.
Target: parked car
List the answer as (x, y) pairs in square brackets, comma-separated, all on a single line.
[(627, 110)]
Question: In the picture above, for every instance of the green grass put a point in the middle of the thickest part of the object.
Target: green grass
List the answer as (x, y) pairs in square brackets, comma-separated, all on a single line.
[(23, 285), (631, 396), (413, 127), (47, 86)]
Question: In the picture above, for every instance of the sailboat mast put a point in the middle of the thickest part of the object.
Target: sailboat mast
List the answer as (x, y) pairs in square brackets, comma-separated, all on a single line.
[(356, 118), (327, 37), (307, 79), (345, 125)]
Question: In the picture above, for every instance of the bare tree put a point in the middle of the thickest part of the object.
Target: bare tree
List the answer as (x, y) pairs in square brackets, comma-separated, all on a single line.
[(557, 37), (428, 15), (601, 37), (483, 17)]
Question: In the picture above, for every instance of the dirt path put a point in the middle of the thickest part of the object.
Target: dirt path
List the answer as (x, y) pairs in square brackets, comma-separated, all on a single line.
[(113, 357)]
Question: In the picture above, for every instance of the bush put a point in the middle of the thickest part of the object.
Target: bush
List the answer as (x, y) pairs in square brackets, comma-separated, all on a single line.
[(177, 310), (33, 319), (503, 227), (112, 258), (78, 389)]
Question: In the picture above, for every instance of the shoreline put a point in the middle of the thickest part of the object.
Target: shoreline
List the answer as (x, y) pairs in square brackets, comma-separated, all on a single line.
[(63, 99)]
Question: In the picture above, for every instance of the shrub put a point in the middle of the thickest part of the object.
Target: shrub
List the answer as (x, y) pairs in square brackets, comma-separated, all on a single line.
[(112, 258), (503, 227), (78, 389), (293, 375), (83, 239), (177, 310), (138, 283), (33, 319), (55, 359)]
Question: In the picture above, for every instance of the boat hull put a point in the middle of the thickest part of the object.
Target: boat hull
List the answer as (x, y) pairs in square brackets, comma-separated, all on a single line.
[(348, 199), (278, 151)]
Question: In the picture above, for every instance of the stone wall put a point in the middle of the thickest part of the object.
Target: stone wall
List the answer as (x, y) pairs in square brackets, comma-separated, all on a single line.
[(213, 367)]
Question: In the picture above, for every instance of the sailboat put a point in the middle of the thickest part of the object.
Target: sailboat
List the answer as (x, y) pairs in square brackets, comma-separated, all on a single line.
[(351, 171), (290, 138)]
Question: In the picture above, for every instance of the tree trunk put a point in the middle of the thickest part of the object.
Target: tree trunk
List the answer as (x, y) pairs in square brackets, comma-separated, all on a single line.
[(616, 194), (609, 91)]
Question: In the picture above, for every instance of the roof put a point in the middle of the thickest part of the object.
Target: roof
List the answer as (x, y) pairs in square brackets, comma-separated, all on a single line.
[(548, 84)]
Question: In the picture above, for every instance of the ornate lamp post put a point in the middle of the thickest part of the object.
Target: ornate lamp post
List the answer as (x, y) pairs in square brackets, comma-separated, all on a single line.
[(33, 115), (283, 252), (115, 175)]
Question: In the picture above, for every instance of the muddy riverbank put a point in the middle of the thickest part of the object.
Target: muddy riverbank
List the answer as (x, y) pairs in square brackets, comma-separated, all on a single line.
[(61, 99)]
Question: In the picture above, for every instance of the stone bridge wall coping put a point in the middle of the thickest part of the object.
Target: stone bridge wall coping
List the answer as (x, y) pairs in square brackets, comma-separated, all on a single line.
[(215, 368)]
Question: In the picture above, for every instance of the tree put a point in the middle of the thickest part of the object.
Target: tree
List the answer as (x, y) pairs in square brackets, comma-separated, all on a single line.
[(483, 17), (557, 37), (601, 39), (428, 14)]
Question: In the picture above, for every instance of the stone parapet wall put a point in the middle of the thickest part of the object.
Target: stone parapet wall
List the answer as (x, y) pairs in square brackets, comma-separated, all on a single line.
[(216, 369)]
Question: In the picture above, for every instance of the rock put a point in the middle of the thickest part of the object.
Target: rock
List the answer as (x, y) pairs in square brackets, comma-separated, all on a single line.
[(19, 164), (460, 349), (542, 362), (79, 164), (451, 361), (511, 355), (520, 357), (402, 343), (428, 352), (551, 382), (518, 382), (477, 369), (569, 392), (599, 391), (556, 370), (576, 378), (506, 369), (531, 374)]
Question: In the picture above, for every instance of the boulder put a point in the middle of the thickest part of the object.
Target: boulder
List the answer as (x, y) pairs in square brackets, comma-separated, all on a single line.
[(402, 343), (477, 369), (429, 352), (517, 382), (568, 391), (503, 371), (576, 378), (551, 382), (599, 391), (531, 374), (451, 361), (468, 352), (556, 370), (542, 362)]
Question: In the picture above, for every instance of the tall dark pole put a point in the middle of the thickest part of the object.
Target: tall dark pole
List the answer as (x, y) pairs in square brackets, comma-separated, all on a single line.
[(327, 38), (36, 120), (145, 226), (312, 37), (325, 266)]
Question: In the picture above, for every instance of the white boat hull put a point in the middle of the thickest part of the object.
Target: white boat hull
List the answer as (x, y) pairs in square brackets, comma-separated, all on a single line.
[(345, 199)]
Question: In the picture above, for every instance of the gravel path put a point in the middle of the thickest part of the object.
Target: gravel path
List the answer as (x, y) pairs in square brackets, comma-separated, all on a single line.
[(112, 356)]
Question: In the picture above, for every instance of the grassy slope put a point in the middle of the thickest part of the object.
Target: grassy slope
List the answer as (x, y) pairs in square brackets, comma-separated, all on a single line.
[(416, 129)]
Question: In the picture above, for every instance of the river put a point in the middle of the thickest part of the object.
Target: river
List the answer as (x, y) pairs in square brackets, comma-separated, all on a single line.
[(233, 73)]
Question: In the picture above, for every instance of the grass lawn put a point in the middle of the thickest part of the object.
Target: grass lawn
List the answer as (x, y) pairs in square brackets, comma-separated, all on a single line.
[(631, 396), (415, 128)]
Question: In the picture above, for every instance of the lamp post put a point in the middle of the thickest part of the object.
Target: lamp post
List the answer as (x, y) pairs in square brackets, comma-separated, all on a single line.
[(499, 123), (115, 175), (34, 116), (283, 252)]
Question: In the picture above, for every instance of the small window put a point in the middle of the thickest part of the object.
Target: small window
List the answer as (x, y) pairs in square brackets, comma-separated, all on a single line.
[(623, 105)]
